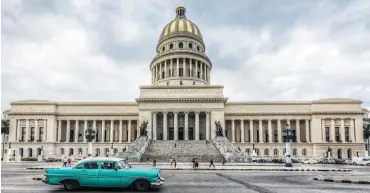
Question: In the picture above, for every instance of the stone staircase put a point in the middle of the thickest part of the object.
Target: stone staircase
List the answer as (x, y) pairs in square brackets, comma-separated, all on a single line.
[(229, 151), (136, 149), (184, 151)]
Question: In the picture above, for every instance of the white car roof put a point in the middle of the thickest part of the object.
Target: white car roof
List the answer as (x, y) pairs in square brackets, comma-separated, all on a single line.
[(100, 159)]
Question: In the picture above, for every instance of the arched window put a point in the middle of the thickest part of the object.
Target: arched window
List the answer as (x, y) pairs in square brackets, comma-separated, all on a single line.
[(80, 151), (248, 151), (340, 153), (38, 151), (70, 151), (21, 152), (106, 151), (115, 150), (304, 152), (180, 82), (62, 151), (29, 152), (266, 152), (193, 83), (190, 46), (171, 46), (97, 151), (258, 151), (295, 152), (275, 151), (198, 48), (163, 49), (181, 45), (168, 83)]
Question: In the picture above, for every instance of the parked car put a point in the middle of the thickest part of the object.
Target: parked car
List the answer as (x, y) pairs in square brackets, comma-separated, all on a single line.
[(309, 161), (51, 159), (339, 161), (326, 161), (365, 161), (104, 172)]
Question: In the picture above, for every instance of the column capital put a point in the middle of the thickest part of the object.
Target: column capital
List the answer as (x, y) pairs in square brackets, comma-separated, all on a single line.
[(165, 112), (186, 112), (208, 112), (196, 112), (175, 112)]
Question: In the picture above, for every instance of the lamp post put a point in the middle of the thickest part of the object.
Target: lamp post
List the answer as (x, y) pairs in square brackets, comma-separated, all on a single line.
[(90, 135), (288, 135)]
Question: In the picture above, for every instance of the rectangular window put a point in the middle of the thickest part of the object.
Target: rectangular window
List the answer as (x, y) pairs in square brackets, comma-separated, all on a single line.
[(107, 165), (327, 137), (337, 138), (163, 75), (346, 133), (275, 136), (97, 135), (23, 136), (72, 135), (294, 138), (91, 165), (181, 72), (266, 136), (32, 133), (80, 136), (198, 74), (41, 133)]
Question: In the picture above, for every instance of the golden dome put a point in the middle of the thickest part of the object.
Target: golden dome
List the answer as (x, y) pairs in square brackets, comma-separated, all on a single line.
[(180, 25)]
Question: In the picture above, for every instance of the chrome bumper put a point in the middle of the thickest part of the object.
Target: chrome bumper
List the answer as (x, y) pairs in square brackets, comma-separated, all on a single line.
[(159, 182)]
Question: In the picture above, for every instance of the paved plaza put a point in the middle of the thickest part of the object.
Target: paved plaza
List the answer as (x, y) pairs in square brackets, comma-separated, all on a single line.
[(15, 178)]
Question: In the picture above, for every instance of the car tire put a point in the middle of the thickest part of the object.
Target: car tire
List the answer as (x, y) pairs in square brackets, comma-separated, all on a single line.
[(142, 185), (71, 185)]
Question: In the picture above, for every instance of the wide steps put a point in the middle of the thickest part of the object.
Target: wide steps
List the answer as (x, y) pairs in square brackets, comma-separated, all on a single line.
[(183, 151)]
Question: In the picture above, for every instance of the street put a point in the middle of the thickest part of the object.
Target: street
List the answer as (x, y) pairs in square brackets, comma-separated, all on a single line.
[(17, 179)]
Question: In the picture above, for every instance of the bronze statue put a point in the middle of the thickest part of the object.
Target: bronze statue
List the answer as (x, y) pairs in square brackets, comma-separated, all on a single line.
[(143, 131), (219, 130)]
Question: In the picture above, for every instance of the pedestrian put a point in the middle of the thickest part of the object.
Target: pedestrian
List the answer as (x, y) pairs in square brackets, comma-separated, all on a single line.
[(196, 163), (174, 161), (65, 162), (175, 145), (154, 162), (223, 161), (147, 159), (69, 162), (171, 160), (193, 160), (211, 163)]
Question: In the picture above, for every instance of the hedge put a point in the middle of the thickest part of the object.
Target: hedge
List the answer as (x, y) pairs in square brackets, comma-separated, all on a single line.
[(28, 159)]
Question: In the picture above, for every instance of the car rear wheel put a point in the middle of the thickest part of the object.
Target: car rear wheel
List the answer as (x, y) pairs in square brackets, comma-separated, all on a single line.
[(71, 185), (142, 185)]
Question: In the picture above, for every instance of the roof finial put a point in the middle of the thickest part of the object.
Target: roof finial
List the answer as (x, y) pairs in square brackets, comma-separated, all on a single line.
[(180, 10)]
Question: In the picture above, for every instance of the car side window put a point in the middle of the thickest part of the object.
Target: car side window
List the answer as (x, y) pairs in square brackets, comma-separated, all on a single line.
[(91, 165), (79, 166), (107, 165)]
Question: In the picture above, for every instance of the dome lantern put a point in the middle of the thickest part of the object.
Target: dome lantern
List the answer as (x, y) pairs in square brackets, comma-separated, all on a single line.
[(180, 11)]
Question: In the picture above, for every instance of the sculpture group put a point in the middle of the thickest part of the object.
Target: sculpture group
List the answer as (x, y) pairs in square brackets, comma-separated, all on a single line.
[(143, 131), (219, 130)]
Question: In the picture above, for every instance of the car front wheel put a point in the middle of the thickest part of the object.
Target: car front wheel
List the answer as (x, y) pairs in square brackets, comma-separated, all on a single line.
[(142, 185), (71, 185)]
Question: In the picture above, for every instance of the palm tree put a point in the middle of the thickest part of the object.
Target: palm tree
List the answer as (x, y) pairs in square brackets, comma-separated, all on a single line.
[(4, 131)]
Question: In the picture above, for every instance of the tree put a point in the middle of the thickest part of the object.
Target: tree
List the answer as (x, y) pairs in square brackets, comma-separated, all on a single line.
[(4, 131)]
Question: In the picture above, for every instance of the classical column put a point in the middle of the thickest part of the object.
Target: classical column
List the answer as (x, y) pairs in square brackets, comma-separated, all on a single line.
[(177, 68), (76, 130), (279, 130), (94, 128), (342, 130), (137, 130), (165, 69), (332, 130), (184, 67), (186, 125), (85, 128), (260, 130), (196, 68), (28, 136), (269, 130), (160, 71), (165, 127), (196, 125), (37, 131), (307, 131), (233, 130), (68, 131), (176, 126), (251, 135), (154, 126), (242, 130), (120, 131), (111, 130), (351, 131), (129, 131), (171, 68), (323, 130), (298, 130), (208, 129), (191, 67), (103, 131)]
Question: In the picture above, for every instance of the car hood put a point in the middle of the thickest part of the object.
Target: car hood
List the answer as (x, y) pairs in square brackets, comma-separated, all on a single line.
[(147, 171)]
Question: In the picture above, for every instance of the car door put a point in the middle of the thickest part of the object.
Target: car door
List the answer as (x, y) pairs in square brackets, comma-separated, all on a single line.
[(109, 174), (89, 174)]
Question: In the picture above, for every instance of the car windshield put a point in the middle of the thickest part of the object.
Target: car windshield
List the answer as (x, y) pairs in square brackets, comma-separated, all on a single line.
[(123, 164)]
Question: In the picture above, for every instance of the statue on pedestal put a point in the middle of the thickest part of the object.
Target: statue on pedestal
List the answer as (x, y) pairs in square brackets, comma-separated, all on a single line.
[(143, 131), (219, 130)]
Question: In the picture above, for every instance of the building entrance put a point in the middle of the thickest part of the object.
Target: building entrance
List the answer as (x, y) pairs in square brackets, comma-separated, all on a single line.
[(181, 133)]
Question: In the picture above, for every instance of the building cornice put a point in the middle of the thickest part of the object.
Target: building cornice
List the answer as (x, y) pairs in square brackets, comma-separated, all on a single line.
[(72, 114), (293, 113), (181, 100), (180, 86), (34, 102)]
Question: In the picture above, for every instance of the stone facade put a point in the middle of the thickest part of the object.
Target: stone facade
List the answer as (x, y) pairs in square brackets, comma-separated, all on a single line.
[(182, 104)]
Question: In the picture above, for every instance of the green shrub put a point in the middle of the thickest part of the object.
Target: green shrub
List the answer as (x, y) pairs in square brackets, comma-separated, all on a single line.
[(28, 159)]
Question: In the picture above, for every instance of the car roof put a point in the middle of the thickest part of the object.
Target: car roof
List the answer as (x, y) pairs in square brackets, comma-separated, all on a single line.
[(101, 159)]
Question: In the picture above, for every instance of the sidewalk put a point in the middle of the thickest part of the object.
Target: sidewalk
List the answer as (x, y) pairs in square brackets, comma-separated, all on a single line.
[(344, 179)]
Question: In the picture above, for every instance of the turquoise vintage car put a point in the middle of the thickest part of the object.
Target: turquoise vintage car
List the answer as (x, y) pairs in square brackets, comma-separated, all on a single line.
[(104, 172)]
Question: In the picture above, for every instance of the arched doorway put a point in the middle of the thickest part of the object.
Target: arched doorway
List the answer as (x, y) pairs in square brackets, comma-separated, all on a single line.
[(339, 153), (21, 152), (38, 151), (349, 153), (29, 152), (248, 151)]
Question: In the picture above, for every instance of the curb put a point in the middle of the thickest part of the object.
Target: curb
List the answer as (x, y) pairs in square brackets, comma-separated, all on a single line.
[(237, 169), (341, 181)]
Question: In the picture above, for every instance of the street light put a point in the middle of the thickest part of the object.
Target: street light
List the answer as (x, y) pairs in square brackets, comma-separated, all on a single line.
[(90, 135), (288, 135)]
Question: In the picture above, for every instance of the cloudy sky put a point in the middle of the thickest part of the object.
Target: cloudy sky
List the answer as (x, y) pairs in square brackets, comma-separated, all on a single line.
[(90, 50)]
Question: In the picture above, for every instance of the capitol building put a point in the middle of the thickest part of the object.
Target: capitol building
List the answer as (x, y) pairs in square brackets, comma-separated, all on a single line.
[(181, 104)]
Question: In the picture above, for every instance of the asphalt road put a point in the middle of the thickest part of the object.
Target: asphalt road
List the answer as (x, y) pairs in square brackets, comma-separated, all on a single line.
[(17, 179)]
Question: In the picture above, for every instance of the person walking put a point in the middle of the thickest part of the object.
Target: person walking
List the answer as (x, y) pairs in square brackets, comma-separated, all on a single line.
[(174, 161), (65, 162), (154, 162), (171, 160), (211, 163), (196, 163), (193, 160), (69, 161)]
